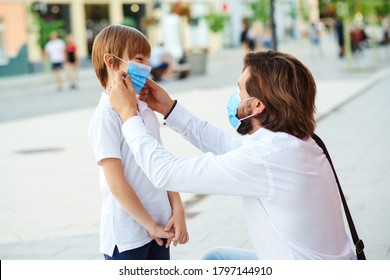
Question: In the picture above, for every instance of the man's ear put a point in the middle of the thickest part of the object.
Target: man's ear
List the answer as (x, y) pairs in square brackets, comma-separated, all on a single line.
[(259, 107), (108, 60)]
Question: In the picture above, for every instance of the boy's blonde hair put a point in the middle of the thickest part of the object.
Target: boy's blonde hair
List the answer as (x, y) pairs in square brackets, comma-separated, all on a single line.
[(117, 40)]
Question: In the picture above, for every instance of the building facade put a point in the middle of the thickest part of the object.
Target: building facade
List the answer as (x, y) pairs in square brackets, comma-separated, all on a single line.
[(83, 19), (13, 38), (181, 25)]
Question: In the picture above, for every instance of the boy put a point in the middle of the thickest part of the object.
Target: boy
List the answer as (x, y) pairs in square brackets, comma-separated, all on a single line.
[(133, 211)]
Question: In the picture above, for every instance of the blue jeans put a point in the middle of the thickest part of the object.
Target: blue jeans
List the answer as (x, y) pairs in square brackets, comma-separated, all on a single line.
[(226, 253), (150, 251)]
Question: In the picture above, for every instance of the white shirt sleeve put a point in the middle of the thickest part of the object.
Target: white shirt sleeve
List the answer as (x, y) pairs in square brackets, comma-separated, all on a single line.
[(209, 174), (105, 138), (200, 133)]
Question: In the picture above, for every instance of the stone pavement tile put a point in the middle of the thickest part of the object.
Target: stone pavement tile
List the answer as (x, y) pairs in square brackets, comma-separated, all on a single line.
[(83, 247), (219, 222), (47, 194)]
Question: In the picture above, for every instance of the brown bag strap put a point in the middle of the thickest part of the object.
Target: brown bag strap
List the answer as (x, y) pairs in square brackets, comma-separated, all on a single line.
[(359, 245)]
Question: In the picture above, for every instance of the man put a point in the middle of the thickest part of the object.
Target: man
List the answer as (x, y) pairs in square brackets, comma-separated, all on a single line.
[(290, 196), (55, 51)]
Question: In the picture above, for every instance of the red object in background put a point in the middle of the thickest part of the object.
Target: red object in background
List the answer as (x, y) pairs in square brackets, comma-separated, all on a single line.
[(225, 7)]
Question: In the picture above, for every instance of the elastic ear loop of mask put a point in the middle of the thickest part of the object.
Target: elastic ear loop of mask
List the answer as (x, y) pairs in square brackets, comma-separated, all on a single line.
[(119, 58), (123, 78), (247, 117)]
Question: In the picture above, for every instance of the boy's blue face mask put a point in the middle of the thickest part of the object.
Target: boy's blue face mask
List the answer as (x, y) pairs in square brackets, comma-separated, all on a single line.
[(138, 72)]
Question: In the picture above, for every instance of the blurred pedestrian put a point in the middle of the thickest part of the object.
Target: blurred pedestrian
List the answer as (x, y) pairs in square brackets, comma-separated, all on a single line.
[(267, 40), (315, 41), (246, 36), (55, 51), (358, 39), (257, 35), (162, 63), (385, 32), (136, 217), (244, 32), (339, 28), (290, 195), (251, 38), (72, 63)]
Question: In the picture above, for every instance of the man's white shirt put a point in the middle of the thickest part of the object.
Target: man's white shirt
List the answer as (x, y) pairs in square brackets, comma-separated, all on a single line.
[(291, 201)]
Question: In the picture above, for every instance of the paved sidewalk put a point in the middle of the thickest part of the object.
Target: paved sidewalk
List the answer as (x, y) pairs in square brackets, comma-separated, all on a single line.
[(357, 136), (50, 204)]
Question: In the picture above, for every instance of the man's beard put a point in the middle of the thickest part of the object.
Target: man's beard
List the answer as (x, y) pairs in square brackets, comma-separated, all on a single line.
[(245, 127)]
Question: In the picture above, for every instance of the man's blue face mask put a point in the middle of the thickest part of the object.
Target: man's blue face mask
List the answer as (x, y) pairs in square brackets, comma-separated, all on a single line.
[(138, 72), (232, 108)]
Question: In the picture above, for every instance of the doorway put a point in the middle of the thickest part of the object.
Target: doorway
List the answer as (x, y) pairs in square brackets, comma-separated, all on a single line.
[(97, 18)]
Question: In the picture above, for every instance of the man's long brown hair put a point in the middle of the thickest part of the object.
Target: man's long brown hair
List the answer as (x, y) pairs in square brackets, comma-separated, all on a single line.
[(287, 89)]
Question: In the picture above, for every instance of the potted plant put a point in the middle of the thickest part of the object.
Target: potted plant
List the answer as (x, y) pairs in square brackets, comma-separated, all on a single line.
[(181, 9), (216, 23)]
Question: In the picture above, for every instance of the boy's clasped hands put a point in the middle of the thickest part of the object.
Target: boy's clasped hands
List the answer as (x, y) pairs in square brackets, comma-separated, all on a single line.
[(175, 231)]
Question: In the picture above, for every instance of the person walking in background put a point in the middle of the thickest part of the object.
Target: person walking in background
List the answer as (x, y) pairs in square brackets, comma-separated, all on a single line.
[(251, 38), (162, 63), (72, 63), (243, 34), (135, 215), (315, 40), (359, 38), (246, 36), (339, 28), (267, 40), (55, 51)]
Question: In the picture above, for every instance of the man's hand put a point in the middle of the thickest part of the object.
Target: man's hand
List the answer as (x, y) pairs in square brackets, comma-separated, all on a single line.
[(122, 96), (157, 98)]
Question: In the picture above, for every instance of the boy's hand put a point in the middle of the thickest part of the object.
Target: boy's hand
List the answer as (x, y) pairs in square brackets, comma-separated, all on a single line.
[(158, 232), (178, 224), (122, 96)]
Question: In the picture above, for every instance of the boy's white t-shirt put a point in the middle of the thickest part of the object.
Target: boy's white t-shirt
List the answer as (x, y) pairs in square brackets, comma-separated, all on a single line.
[(106, 139)]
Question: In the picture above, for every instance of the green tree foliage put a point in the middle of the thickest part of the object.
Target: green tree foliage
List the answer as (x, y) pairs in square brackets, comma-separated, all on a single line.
[(383, 9), (366, 7), (44, 28), (260, 11), (292, 12), (216, 21), (304, 10)]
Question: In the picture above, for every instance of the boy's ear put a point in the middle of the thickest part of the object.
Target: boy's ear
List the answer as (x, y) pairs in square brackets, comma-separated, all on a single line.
[(108, 61)]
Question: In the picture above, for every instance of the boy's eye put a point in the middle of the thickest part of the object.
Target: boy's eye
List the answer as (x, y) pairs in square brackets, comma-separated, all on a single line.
[(141, 60)]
